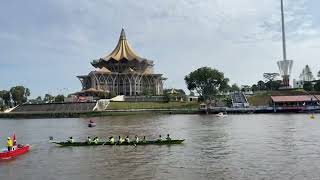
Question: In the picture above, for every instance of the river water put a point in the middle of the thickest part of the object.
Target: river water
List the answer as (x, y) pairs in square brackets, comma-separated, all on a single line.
[(283, 146)]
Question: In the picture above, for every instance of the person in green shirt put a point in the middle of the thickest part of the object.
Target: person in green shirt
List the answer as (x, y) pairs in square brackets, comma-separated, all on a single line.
[(168, 137), (136, 139), (127, 139), (89, 141), (121, 140), (144, 140), (111, 140), (96, 140), (70, 140)]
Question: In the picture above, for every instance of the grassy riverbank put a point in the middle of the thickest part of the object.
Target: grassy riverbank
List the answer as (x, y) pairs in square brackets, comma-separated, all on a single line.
[(263, 98)]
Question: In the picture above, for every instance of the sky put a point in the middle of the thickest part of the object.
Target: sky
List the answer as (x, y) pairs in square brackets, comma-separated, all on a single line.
[(44, 45)]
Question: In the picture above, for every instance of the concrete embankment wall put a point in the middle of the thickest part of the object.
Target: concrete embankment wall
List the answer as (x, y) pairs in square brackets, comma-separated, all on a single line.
[(26, 115), (55, 107)]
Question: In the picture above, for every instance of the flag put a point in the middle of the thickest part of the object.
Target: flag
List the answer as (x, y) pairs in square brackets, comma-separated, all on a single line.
[(14, 139)]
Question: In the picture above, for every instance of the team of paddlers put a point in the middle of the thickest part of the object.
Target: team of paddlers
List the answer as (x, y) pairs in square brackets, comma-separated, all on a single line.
[(121, 140)]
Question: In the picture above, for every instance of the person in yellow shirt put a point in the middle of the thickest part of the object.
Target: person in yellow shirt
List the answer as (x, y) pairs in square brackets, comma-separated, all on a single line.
[(9, 144), (111, 140)]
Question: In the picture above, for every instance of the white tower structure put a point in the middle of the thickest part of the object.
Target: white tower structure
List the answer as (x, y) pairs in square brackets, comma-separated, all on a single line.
[(285, 66)]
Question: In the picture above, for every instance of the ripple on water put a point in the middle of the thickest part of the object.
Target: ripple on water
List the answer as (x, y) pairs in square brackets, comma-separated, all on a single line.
[(235, 147)]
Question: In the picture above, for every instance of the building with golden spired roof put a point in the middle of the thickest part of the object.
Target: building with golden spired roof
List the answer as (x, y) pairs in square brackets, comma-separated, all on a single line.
[(123, 72)]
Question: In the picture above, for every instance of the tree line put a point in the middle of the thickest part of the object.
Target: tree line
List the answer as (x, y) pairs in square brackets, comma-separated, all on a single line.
[(208, 83), (18, 95), (13, 97)]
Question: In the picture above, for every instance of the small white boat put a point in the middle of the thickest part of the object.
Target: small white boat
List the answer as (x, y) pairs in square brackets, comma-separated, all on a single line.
[(221, 114)]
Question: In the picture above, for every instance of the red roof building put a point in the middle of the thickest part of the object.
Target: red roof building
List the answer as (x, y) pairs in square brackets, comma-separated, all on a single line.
[(299, 102)]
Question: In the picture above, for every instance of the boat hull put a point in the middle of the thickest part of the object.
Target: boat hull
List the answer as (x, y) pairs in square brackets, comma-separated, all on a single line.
[(14, 153), (165, 142), (92, 125)]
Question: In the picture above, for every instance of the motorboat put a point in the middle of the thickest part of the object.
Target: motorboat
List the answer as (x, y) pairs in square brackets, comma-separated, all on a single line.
[(221, 114)]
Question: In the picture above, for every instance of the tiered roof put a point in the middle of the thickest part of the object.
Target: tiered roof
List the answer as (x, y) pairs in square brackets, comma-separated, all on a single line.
[(122, 52)]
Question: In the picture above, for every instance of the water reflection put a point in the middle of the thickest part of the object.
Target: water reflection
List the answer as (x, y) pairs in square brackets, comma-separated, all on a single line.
[(234, 147)]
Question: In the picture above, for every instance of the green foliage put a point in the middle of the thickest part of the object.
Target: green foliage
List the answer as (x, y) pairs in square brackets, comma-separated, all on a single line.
[(59, 98), (174, 94), (228, 101), (19, 94), (39, 99), (48, 98), (308, 86), (207, 82), (273, 85), (6, 96), (254, 88), (317, 86), (261, 86), (235, 88)]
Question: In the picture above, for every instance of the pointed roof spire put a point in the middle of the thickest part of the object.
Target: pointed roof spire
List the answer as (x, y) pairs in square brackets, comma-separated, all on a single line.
[(122, 50), (123, 34)]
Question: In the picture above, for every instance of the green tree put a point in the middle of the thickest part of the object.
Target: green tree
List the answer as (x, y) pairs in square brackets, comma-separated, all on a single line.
[(235, 88), (39, 99), (207, 82), (273, 85), (307, 86), (48, 98), (19, 94), (261, 85), (6, 96), (317, 86), (254, 88), (59, 98)]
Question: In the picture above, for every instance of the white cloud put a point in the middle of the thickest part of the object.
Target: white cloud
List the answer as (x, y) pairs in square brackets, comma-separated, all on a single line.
[(240, 38)]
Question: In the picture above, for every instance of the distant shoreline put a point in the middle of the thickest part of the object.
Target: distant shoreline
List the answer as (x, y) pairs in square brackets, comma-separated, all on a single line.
[(38, 115)]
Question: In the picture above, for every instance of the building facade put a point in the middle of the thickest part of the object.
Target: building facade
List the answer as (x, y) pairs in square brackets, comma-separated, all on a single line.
[(123, 72)]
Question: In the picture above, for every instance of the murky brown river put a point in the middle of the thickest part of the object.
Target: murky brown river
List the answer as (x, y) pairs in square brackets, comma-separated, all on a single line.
[(233, 147)]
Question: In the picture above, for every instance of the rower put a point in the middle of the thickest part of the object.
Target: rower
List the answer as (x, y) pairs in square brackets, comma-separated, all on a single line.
[(70, 140), (136, 139), (96, 140), (127, 139), (89, 140), (121, 140), (111, 140), (160, 138), (9, 144), (144, 140), (168, 137)]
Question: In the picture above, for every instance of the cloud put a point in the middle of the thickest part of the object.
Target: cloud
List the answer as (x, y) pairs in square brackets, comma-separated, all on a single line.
[(240, 36)]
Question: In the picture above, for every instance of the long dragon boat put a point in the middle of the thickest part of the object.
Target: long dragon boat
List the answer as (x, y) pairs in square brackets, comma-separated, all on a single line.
[(157, 142)]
